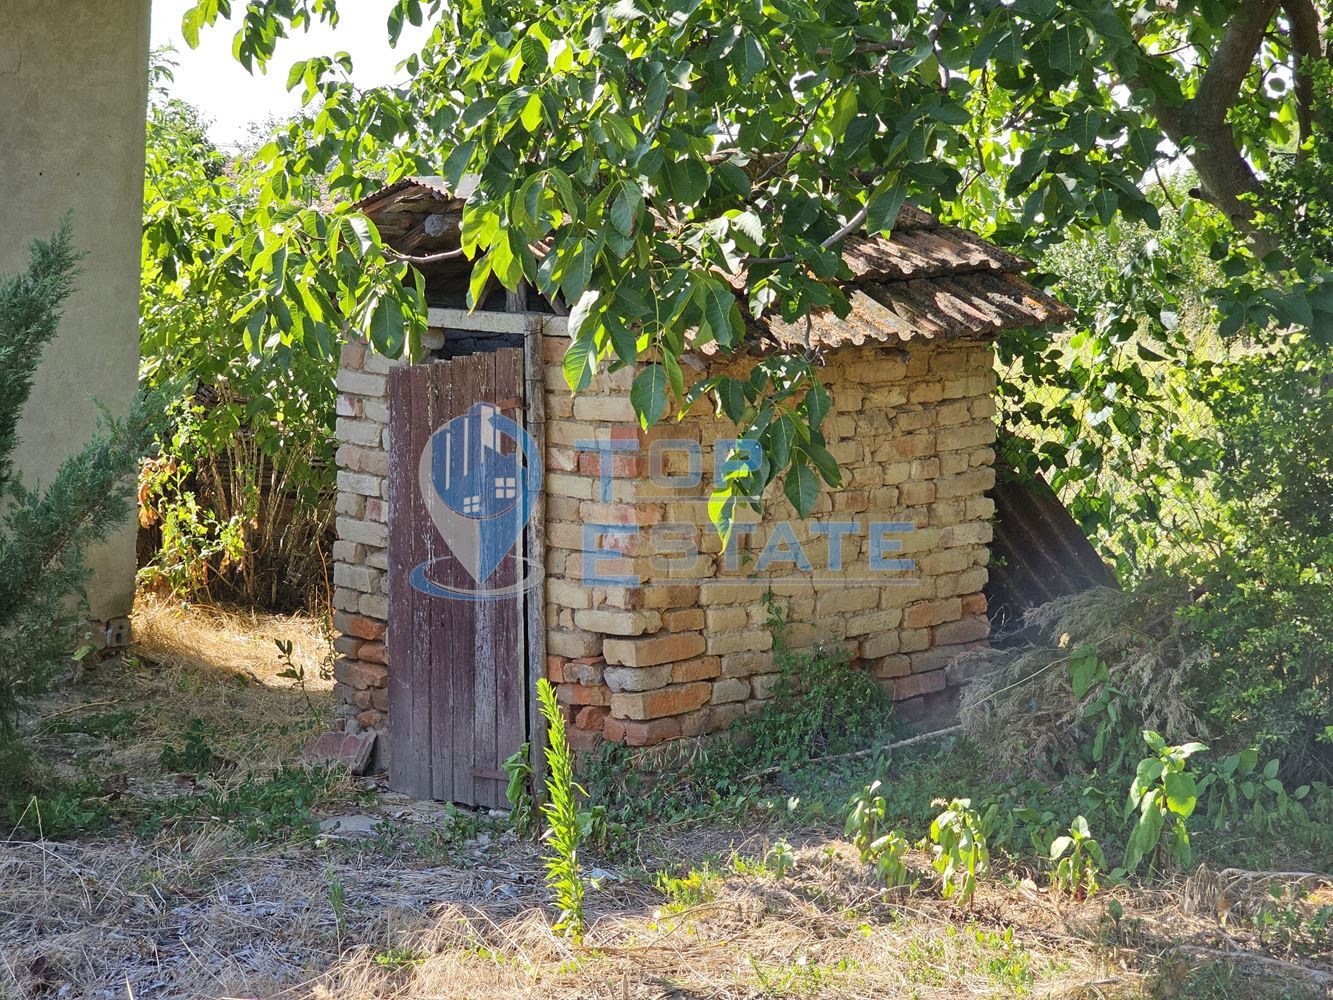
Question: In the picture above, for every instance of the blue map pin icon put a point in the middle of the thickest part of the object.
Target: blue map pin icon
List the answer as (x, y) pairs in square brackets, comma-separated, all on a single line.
[(478, 493)]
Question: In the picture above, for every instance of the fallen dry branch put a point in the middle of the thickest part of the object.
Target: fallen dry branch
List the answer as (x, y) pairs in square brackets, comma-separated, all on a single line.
[(857, 754)]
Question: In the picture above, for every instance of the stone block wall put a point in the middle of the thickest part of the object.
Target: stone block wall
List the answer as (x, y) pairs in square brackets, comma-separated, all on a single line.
[(644, 646), (687, 649)]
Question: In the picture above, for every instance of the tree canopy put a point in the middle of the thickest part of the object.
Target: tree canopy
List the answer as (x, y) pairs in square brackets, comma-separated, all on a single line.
[(674, 153)]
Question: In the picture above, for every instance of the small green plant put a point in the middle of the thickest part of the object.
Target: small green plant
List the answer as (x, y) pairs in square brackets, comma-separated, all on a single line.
[(1294, 929), (293, 671), (56, 814), (960, 847), (780, 858), (337, 900), (695, 887), (262, 809), (518, 791), (193, 755), (885, 849), (866, 818), (1163, 792), (399, 957), (1078, 860), (1238, 791), (561, 810)]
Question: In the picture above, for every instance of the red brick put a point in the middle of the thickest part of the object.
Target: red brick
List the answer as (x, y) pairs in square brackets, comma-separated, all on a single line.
[(583, 694), (555, 669), (653, 650), (581, 740), (347, 645), (915, 684), (927, 613), (358, 625), (374, 652), (974, 604), (592, 717), (934, 659), (700, 669), (356, 674), (683, 620), (641, 734), (370, 719), (969, 629), (623, 466), (892, 666), (672, 700)]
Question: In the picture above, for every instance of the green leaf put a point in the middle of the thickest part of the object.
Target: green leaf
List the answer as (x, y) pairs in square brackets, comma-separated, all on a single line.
[(720, 313), (750, 59), (1181, 795), (387, 331), (731, 397), (801, 488), (781, 433), (882, 209), (585, 309), (457, 163), (823, 461), (625, 208), (580, 363), (687, 180), (648, 394), (1059, 845), (1082, 672), (1065, 47)]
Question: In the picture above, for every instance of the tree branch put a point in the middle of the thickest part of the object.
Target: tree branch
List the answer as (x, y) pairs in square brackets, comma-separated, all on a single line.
[(1231, 61), (1305, 44)]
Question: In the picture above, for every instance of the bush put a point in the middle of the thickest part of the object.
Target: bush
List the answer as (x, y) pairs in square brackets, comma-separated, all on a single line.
[(241, 503), (1266, 604), (43, 533)]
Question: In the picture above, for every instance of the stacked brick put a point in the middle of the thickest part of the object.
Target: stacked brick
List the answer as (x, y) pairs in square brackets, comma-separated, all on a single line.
[(645, 646), (687, 649), (361, 553)]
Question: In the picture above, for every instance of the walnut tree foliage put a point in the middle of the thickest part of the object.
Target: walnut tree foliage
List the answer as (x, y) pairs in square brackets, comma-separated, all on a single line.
[(46, 527), (694, 164)]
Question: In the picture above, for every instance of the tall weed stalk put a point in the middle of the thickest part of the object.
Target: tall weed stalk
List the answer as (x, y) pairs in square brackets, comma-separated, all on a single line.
[(562, 816)]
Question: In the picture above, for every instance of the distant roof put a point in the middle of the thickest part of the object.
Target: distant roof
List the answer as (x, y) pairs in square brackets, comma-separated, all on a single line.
[(925, 280)]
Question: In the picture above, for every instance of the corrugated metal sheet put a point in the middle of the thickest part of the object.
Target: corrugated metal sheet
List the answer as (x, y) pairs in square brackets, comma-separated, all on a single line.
[(925, 280), (1038, 552)]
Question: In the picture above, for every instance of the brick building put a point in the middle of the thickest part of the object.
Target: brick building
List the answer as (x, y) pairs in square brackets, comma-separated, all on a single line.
[(620, 591)]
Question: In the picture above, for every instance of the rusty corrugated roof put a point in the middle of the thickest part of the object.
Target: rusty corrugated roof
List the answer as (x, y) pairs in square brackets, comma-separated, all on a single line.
[(924, 280)]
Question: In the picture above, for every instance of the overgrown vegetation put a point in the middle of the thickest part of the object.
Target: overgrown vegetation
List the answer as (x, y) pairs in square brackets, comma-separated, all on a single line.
[(240, 502)]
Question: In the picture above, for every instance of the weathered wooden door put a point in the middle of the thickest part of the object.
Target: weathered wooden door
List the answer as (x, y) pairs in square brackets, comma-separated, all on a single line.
[(457, 649)]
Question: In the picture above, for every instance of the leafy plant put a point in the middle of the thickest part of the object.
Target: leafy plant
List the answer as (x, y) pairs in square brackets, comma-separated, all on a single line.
[(960, 848), (1237, 791), (518, 791), (193, 755), (866, 826), (563, 834), (1163, 792), (779, 859), (1078, 859)]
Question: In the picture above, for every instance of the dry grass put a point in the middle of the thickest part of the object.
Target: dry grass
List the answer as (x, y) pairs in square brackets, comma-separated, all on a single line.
[(198, 919), (222, 667), (189, 663)]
